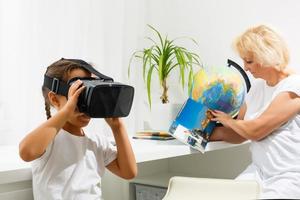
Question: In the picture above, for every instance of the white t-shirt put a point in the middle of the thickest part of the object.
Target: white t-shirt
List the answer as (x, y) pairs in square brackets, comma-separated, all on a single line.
[(71, 168), (276, 158)]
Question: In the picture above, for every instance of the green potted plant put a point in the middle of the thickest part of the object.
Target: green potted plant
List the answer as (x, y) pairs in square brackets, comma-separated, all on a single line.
[(163, 57)]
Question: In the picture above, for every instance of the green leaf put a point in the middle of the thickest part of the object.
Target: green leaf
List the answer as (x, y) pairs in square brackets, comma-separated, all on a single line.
[(160, 38), (171, 68), (149, 84), (191, 77), (182, 65), (165, 56), (134, 54), (145, 60), (160, 68), (149, 38), (186, 37)]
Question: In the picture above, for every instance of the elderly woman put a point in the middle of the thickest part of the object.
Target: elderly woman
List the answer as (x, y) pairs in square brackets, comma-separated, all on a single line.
[(271, 122)]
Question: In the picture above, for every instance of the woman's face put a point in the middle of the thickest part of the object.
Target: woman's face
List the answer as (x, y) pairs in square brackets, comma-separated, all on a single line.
[(253, 67)]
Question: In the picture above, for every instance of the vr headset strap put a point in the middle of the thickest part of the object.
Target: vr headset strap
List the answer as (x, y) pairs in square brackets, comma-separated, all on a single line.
[(62, 88), (91, 69), (55, 85)]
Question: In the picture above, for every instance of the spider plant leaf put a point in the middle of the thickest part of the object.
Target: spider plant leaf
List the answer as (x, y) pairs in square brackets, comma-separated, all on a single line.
[(165, 44), (164, 56), (145, 60), (157, 50), (138, 56), (195, 42), (190, 81), (189, 57), (186, 37), (167, 61), (155, 58), (160, 68), (196, 58), (149, 38), (190, 77), (171, 68), (168, 65), (182, 66), (149, 84), (160, 38), (130, 61)]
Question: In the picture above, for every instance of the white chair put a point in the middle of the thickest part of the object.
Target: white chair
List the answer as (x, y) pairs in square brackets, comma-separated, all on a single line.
[(186, 188)]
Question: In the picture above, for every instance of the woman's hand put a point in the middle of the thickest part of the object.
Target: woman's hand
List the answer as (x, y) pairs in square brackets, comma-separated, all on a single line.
[(221, 117)]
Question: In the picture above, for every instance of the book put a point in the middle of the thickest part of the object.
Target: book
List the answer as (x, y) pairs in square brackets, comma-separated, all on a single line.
[(192, 125)]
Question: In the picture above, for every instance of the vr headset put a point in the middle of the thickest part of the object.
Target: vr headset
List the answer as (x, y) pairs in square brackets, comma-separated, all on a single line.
[(102, 97)]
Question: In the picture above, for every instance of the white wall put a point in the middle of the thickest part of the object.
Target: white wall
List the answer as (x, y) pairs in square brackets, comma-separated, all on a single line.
[(215, 24), (34, 33)]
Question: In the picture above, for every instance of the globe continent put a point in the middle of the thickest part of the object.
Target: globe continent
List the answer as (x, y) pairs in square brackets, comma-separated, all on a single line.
[(219, 89)]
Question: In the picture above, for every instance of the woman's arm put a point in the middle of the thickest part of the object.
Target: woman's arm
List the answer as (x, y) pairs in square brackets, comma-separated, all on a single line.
[(285, 106), (227, 134), (35, 143), (125, 165)]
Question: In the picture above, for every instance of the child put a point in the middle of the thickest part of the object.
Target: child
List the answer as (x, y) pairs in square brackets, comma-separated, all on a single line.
[(67, 162)]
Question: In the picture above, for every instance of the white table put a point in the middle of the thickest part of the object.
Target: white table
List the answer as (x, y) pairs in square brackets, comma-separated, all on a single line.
[(13, 169), (148, 150), (15, 174)]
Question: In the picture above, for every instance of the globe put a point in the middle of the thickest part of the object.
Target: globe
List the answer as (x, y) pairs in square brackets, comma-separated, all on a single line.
[(219, 88)]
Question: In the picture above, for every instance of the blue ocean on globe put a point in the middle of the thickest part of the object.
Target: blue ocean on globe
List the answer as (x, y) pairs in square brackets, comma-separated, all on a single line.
[(221, 89)]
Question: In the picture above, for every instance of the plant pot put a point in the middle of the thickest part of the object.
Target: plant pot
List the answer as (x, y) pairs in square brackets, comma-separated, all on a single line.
[(161, 116)]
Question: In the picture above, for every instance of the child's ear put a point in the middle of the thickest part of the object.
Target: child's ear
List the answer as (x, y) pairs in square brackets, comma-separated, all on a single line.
[(53, 99)]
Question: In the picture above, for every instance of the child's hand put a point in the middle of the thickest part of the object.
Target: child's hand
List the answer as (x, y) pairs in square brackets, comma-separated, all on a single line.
[(73, 94), (114, 122), (222, 117)]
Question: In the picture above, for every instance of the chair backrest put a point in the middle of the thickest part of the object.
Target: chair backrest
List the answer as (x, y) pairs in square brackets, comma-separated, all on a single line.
[(185, 188)]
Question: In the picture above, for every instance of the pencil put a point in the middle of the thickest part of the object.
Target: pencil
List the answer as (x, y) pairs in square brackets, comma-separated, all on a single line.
[(153, 137), (162, 134)]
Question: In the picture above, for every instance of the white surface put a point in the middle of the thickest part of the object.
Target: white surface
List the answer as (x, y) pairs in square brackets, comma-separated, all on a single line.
[(147, 150), (13, 169), (40, 32), (160, 179), (203, 188)]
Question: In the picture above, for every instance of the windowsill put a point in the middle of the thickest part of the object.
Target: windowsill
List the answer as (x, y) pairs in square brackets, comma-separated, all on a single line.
[(13, 169)]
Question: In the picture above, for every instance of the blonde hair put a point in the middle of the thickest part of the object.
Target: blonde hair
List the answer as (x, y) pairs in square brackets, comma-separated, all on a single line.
[(263, 45)]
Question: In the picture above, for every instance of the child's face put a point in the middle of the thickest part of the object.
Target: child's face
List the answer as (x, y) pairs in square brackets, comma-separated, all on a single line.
[(77, 119)]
